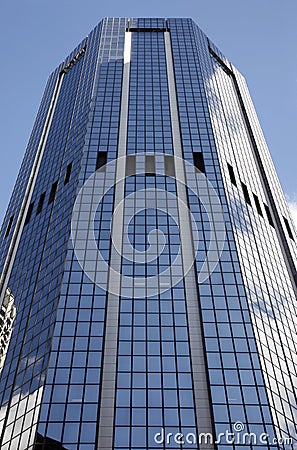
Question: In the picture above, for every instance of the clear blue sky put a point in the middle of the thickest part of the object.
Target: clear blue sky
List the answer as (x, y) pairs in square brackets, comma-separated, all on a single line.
[(258, 36)]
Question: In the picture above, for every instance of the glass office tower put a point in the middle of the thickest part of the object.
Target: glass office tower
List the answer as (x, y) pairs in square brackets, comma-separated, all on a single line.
[(148, 257)]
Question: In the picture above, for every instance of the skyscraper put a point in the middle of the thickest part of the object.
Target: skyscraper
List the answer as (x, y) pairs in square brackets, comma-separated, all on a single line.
[(148, 257)]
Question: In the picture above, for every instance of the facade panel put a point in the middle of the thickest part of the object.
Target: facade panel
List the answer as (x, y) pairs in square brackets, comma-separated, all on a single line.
[(149, 256)]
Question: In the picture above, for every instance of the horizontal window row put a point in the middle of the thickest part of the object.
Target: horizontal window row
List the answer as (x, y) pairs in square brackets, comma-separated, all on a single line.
[(51, 198), (257, 202), (148, 30)]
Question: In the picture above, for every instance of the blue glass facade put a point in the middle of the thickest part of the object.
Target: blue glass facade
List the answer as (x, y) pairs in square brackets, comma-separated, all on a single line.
[(151, 256)]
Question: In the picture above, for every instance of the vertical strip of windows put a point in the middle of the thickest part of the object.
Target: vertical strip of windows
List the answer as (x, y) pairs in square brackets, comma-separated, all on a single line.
[(258, 159), (11, 254), (30, 315), (19, 227), (201, 393), (109, 363)]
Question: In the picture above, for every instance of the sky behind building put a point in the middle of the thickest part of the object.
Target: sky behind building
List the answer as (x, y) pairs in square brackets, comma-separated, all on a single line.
[(258, 37)]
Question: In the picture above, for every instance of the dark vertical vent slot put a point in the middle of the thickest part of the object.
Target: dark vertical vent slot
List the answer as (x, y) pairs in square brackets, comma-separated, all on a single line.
[(101, 160), (150, 165), (288, 228), (53, 192), (268, 214), (29, 213), (231, 174), (40, 203), (9, 225), (246, 193), (130, 165), (169, 165), (68, 173), (258, 206), (199, 161)]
